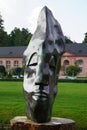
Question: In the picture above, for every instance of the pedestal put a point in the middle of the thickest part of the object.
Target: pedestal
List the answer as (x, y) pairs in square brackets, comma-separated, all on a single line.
[(22, 123)]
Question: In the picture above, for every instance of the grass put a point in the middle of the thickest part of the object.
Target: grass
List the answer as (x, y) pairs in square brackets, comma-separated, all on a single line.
[(11, 101), (70, 102)]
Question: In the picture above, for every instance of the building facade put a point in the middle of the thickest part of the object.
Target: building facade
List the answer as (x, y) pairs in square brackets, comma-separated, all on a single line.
[(12, 57), (75, 54)]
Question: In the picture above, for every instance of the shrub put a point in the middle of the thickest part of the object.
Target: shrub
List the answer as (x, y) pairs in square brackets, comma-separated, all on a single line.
[(73, 70), (17, 71), (2, 71)]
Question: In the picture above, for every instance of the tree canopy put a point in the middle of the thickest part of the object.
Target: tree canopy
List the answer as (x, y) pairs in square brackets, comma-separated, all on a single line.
[(68, 40), (21, 37), (85, 38), (17, 37), (3, 34), (1, 22)]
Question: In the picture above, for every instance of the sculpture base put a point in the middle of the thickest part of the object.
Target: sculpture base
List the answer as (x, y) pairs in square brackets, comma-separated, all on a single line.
[(22, 123)]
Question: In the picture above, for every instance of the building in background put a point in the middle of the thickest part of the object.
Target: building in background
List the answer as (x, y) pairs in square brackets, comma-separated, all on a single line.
[(12, 57), (75, 53)]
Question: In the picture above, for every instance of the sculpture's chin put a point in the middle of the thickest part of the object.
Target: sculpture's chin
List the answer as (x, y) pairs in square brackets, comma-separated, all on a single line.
[(39, 106), (40, 110)]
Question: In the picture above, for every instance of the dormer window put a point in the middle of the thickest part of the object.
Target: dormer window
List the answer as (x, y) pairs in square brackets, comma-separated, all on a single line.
[(10, 52), (80, 51)]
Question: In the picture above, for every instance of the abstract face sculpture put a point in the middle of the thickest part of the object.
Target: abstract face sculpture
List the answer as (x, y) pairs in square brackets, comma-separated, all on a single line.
[(42, 65)]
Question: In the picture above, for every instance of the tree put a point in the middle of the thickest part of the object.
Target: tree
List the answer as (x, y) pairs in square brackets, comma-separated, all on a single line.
[(15, 38), (3, 35), (73, 70), (1, 22), (26, 36), (85, 38), (19, 37), (2, 71), (4, 39), (17, 71), (68, 40)]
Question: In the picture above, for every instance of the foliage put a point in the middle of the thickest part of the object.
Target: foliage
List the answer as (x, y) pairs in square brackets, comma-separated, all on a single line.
[(19, 37), (73, 70), (77, 80), (85, 38), (1, 22), (2, 71), (22, 70), (68, 40), (3, 35), (17, 71), (4, 39), (10, 73)]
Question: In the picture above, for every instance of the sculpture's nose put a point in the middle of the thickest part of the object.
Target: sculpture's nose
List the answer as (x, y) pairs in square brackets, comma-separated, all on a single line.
[(42, 79), (42, 75)]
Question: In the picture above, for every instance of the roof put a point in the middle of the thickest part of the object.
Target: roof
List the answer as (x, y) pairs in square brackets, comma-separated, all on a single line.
[(11, 52), (78, 49)]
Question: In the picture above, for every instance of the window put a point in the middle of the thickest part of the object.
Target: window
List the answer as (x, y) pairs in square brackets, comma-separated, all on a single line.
[(79, 62), (0, 62), (8, 64), (16, 63), (66, 62)]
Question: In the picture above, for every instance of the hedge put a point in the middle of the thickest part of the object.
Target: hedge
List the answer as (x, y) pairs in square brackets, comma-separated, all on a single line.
[(60, 80), (74, 80)]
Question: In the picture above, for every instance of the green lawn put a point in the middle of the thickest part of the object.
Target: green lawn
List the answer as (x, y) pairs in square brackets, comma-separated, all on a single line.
[(71, 102), (11, 101)]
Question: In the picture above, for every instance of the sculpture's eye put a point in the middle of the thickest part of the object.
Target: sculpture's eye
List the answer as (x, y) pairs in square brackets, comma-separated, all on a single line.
[(33, 60), (60, 45), (33, 64), (31, 67), (50, 42), (52, 63)]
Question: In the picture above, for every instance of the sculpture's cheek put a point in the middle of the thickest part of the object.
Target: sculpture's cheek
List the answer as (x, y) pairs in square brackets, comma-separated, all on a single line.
[(29, 83)]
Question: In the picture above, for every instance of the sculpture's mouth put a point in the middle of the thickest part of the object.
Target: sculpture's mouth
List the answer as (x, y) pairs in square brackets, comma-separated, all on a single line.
[(40, 96)]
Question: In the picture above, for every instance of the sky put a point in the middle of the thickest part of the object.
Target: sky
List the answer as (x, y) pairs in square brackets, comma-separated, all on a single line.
[(71, 14)]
